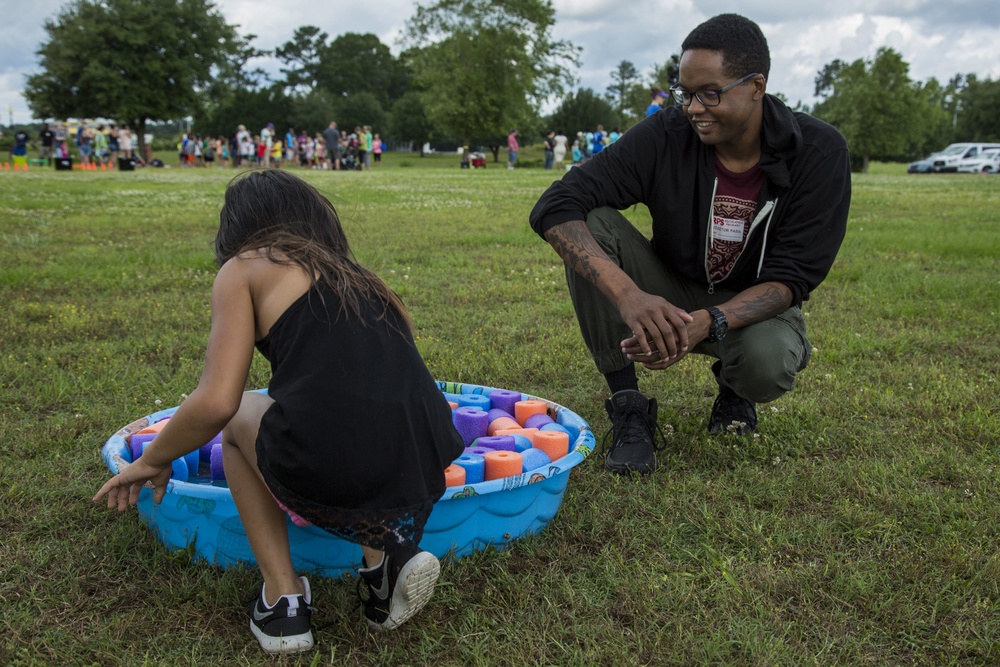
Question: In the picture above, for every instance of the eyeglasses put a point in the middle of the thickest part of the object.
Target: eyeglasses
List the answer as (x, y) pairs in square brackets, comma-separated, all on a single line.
[(708, 97)]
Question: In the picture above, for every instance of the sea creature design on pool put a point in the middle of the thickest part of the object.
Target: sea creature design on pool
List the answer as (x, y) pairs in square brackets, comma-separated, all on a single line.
[(197, 505), (467, 492)]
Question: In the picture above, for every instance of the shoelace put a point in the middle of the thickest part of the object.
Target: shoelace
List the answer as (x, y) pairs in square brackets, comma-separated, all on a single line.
[(637, 424)]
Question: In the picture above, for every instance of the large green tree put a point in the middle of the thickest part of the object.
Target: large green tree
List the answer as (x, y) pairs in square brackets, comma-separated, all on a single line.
[(131, 60), (624, 85), (582, 111), (301, 57), (874, 104), (354, 63), (977, 116), (408, 121), (486, 66)]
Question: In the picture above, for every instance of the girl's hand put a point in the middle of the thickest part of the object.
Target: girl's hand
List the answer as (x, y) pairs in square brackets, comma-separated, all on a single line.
[(123, 489)]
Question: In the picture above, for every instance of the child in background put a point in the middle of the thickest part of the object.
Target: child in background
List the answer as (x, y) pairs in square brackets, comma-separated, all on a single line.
[(377, 149), (261, 149), (276, 149), (353, 435)]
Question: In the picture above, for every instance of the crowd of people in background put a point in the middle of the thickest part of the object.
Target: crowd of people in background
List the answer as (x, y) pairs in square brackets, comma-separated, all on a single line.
[(335, 149), (332, 148), (102, 143), (584, 146)]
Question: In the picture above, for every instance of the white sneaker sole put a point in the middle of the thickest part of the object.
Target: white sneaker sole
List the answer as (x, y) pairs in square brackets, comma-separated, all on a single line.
[(414, 588), (278, 645)]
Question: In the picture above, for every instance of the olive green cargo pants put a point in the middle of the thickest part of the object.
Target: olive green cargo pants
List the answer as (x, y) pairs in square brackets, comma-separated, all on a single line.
[(759, 362)]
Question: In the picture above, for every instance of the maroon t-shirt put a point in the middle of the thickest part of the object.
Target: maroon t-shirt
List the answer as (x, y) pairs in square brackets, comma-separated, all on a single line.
[(735, 202)]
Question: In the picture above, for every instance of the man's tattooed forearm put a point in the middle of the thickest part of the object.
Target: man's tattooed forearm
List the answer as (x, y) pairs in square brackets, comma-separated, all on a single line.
[(577, 248), (762, 306)]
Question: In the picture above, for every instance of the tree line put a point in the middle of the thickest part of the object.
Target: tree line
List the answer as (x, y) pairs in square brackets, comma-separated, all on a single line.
[(468, 72)]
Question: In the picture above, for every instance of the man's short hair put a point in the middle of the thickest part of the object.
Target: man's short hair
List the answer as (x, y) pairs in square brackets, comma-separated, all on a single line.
[(739, 40)]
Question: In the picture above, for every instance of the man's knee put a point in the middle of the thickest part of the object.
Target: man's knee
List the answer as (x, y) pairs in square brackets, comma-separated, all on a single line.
[(762, 379), (768, 356)]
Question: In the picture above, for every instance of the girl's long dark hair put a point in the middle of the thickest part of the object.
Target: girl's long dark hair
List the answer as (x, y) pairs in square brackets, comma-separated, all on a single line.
[(291, 222)]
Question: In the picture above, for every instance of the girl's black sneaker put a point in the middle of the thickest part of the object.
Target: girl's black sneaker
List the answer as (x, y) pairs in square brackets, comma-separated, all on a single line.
[(397, 588), (284, 627)]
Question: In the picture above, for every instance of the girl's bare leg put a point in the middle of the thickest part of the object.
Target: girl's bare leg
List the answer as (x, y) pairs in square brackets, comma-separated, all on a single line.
[(264, 522)]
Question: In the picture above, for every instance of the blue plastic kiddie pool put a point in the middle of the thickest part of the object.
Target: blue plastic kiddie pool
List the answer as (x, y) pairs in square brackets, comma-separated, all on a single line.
[(200, 515)]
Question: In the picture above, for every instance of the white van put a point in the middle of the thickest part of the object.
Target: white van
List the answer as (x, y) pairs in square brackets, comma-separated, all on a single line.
[(948, 160)]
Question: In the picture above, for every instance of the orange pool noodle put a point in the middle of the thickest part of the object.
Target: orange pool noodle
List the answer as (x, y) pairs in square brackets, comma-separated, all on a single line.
[(524, 409), (553, 443), (155, 428), (500, 424), (453, 405), (501, 463), (454, 475)]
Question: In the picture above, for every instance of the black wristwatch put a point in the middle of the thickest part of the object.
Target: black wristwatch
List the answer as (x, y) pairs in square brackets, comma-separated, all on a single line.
[(719, 326)]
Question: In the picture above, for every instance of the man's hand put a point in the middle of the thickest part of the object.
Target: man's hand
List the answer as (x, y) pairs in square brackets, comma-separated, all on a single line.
[(659, 330)]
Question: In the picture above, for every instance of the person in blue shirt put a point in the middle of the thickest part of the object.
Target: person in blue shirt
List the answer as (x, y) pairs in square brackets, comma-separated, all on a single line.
[(598, 140), (658, 97)]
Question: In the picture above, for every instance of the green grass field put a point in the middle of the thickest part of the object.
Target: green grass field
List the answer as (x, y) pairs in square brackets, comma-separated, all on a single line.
[(862, 526)]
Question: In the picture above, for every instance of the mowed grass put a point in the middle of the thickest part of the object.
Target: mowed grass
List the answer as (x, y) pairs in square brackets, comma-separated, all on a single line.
[(861, 526)]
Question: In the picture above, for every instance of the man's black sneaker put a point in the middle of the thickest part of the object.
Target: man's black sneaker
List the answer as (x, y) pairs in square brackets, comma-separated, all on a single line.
[(731, 413), (283, 627), (397, 588), (633, 422)]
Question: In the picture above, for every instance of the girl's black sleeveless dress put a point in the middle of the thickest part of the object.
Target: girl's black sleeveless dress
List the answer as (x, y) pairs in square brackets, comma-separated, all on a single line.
[(359, 434)]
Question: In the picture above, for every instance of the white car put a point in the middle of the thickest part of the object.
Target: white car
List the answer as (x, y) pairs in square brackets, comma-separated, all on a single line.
[(987, 162)]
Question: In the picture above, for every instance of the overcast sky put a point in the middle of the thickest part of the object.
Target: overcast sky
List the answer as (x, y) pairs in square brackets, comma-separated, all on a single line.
[(938, 38)]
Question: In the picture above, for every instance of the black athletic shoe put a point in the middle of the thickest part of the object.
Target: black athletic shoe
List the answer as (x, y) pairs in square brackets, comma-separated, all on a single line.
[(283, 628), (398, 588), (633, 422), (731, 413)]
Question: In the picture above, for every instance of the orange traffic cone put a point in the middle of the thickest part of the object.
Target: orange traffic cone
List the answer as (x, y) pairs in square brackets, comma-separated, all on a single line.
[(6, 166), (17, 167), (104, 167), (25, 167)]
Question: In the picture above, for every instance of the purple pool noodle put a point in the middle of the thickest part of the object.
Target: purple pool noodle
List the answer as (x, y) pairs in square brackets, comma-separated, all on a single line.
[(558, 427), (497, 413), (192, 460), (205, 451), (137, 443), (470, 423), (475, 467), (521, 442), (496, 442), (478, 451), (534, 458), (473, 401), (538, 421), (504, 399), (218, 471)]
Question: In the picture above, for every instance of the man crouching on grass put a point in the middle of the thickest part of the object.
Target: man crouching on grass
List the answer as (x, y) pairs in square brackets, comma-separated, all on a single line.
[(749, 202)]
